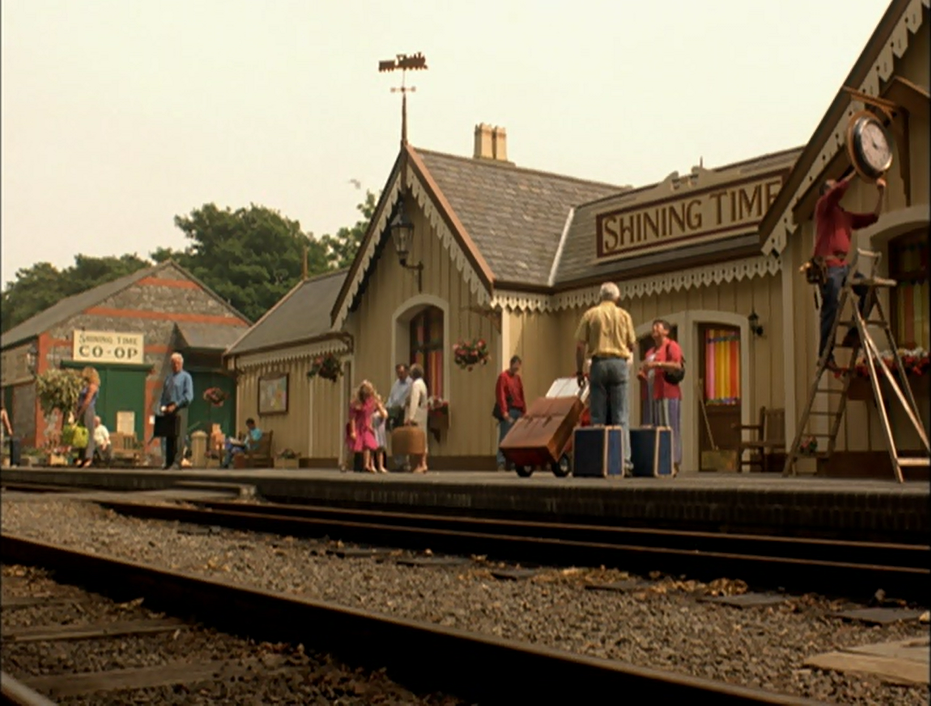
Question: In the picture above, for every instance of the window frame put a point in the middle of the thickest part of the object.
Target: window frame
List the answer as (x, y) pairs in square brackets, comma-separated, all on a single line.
[(895, 247), (433, 324)]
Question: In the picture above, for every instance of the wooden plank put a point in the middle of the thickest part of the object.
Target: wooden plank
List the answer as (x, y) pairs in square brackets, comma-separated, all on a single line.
[(30, 601), (36, 633), (62, 685), (901, 670), (915, 649)]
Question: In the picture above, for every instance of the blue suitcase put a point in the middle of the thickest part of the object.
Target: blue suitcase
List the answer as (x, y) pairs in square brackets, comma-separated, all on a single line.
[(597, 452), (651, 452)]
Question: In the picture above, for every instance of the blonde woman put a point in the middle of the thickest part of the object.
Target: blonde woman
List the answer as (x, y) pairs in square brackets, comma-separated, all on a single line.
[(87, 411), (416, 414)]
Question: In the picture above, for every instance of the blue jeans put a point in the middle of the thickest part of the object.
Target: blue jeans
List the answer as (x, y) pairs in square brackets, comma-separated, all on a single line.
[(830, 296), (504, 426), (608, 401)]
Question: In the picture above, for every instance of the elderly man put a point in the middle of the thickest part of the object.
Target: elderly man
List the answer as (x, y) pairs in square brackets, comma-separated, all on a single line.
[(397, 401), (606, 332), (102, 441), (177, 395)]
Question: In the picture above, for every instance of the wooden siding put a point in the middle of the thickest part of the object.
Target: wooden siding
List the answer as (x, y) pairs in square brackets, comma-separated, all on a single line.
[(379, 326)]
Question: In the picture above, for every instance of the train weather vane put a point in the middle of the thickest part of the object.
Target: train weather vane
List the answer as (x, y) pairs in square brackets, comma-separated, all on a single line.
[(404, 63)]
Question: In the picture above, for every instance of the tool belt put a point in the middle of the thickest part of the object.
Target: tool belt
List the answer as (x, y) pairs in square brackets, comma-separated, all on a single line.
[(816, 272)]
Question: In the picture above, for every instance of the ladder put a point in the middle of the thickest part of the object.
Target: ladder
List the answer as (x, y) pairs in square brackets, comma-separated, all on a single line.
[(877, 368)]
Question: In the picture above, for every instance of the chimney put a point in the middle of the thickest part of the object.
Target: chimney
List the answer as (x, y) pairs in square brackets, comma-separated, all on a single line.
[(484, 142), (500, 144)]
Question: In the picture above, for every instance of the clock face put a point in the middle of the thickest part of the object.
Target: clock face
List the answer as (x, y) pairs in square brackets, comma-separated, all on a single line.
[(872, 147)]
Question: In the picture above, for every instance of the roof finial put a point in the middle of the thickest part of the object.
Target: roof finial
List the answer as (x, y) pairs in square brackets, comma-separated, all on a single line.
[(404, 63)]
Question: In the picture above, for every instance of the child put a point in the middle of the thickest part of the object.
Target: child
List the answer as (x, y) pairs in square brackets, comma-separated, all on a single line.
[(379, 420), (362, 432)]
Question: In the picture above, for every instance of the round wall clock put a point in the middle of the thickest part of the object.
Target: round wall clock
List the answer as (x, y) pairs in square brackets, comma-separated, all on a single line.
[(869, 146)]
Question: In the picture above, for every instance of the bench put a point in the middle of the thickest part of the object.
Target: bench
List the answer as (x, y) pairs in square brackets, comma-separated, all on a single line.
[(767, 450), (259, 457), (125, 448)]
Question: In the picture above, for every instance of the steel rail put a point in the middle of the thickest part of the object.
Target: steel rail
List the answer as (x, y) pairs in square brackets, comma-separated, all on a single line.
[(749, 562), (485, 668), (18, 694)]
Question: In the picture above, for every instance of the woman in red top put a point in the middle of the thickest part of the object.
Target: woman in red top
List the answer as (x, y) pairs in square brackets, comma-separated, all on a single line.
[(666, 396)]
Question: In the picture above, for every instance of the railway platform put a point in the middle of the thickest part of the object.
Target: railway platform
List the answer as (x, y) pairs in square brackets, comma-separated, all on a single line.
[(863, 510)]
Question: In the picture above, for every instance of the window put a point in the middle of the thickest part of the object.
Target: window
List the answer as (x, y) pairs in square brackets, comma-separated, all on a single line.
[(908, 266), (722, 366), (427, 347)]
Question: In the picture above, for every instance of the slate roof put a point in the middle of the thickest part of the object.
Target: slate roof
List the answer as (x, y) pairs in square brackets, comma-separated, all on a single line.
[(72, 306), (515, 216), (303, 313), (209, 337), (577, 260)]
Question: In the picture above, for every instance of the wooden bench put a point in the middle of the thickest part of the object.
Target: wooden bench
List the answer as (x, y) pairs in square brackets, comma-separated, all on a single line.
[(767, 450), (125, 448), (261, 456)]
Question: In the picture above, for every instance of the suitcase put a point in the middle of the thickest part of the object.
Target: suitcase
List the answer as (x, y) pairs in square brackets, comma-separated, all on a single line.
[(408, 441), (598, 452), (541, 436), (651, 452)]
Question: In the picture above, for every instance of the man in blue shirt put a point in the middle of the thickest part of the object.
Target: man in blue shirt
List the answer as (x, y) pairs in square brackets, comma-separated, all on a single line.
[(251, 443), (397, 401), (177, 395)]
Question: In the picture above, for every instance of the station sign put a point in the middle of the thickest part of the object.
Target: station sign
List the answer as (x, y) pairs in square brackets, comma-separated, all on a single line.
[(108, 347)]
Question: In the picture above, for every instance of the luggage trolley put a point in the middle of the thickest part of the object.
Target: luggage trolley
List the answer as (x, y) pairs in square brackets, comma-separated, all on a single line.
[(543, 436)]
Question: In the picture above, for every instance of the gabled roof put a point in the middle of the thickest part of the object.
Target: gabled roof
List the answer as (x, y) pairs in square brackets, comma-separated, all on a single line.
[(301, 316), (77, 303), (514, 216), (208, 337), (864, 69)]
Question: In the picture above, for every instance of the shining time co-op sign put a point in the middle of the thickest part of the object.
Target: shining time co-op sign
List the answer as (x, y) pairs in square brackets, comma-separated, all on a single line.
[(108, 347)]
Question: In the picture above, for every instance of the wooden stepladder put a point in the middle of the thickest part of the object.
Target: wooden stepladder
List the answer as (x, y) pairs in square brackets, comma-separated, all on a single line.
[(897, 379)]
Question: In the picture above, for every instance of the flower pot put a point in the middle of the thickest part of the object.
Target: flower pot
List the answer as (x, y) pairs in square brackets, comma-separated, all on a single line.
[(287, 463)]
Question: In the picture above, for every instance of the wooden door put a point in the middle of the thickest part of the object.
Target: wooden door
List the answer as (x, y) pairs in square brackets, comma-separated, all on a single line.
[(644, 344), (719, 368)]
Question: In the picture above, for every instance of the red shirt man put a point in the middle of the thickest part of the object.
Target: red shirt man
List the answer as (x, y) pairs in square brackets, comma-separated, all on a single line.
[(509, 391), (836, 225)]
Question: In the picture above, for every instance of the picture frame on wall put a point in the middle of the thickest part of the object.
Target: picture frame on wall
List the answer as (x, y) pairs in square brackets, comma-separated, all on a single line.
[(273, 393)]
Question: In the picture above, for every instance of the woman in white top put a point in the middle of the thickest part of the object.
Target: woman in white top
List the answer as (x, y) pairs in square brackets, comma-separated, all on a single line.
[(416, 413)]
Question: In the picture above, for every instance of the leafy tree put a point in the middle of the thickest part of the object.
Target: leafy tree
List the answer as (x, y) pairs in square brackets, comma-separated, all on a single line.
[(341, 248)]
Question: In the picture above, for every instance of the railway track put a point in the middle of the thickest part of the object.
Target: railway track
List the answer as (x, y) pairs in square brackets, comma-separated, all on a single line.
[(481, 668), (831, 567)]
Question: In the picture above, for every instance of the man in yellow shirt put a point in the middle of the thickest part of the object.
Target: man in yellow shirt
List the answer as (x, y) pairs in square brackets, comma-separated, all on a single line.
[(606, 332)]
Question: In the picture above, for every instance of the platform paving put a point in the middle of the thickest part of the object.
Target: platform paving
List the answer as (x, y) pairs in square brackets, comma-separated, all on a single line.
[(801, 506)]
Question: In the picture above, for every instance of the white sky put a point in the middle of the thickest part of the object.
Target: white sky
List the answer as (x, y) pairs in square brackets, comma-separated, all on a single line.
[(117, 116)]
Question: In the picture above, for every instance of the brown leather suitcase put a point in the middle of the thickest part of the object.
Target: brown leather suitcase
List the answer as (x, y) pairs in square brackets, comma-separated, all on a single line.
[(542, 436), (408, 441)]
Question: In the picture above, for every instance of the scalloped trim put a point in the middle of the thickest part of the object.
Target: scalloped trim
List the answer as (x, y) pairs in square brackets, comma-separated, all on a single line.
[(288, 355), (909, 23)]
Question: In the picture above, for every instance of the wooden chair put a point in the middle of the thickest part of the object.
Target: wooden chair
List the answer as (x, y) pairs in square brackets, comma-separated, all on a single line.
[(125, 448), (767, 451), (261, 456)]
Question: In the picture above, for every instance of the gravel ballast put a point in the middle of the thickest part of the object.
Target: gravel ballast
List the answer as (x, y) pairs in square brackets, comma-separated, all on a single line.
[(268, 673), (662, 626)]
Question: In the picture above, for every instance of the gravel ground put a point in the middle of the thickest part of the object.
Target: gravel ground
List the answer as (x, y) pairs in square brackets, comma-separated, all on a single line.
[(282, 675), (662, 626)]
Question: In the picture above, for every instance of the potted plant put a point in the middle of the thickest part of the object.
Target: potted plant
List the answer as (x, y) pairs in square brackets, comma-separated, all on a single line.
[(286, 459), (468, 354), (437, 416), (57, 391), (327, 366)]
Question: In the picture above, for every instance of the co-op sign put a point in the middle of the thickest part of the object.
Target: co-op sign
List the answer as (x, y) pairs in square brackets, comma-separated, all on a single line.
[(107, 347)]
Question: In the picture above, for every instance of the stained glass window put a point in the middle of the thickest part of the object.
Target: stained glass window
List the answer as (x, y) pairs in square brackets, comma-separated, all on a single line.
[(722, 366), (908, 266), (427, 347)]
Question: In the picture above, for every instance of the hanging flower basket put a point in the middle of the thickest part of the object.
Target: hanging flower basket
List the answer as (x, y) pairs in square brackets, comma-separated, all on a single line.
[(468, 355), (215, 396), (326, 366)]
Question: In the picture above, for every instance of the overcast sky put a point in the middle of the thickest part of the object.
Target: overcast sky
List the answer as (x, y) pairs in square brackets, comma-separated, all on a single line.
[(119, 115)]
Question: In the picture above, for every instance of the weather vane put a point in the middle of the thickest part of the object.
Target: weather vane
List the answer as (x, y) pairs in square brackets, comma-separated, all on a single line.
[(404, 63)]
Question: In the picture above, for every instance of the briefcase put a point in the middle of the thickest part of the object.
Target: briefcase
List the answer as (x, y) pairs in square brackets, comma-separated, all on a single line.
[(598, 452), (167, 425), (651, 452), (408, 441)]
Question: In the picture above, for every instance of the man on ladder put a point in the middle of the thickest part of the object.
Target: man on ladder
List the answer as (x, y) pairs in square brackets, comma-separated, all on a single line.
[(832, 245)]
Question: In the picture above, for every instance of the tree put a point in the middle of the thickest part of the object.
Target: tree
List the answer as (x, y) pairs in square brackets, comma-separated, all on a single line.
[(38, 287), (341, 248), (249, 257)]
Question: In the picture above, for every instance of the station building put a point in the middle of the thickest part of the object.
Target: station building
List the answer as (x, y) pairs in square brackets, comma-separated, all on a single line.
[(514, 256), (126, 330)]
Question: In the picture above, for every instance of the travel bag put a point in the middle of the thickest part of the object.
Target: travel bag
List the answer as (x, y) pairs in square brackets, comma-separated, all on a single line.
[(598, 452), (408, 441), (651, 452)]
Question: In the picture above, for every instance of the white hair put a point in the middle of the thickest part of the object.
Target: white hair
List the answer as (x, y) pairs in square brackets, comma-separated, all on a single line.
[(610, 292), (178, 357)]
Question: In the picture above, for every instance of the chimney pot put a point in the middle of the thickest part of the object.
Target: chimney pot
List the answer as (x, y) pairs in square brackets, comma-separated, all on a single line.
[(484, 142), (500, 144)]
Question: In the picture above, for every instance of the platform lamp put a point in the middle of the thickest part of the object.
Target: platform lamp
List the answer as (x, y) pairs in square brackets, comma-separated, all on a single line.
[(32, 359), (402, 232), (754, 321)]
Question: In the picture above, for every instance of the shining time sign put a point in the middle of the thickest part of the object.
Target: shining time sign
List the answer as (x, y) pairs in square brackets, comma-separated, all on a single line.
[(108, 347)]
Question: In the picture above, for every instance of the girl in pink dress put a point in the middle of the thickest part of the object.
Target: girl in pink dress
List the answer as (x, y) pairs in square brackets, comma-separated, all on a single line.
[(362, 432)]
